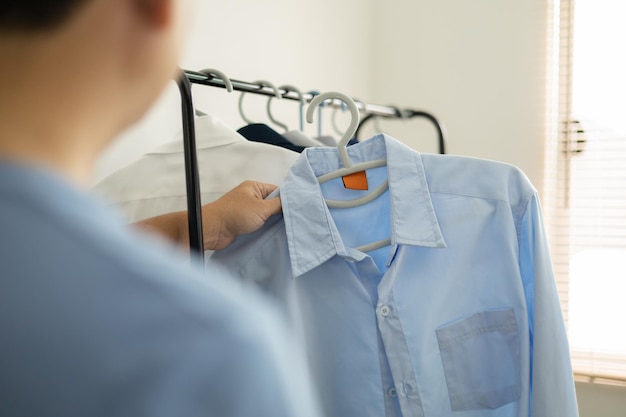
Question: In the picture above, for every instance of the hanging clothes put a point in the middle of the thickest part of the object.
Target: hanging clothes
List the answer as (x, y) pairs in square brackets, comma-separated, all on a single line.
[(459, 316), (154, 184), (298, 138), (259, 132), (327, 140)]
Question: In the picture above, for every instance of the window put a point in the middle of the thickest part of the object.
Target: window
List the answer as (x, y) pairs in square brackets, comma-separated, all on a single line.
[(585, 190)]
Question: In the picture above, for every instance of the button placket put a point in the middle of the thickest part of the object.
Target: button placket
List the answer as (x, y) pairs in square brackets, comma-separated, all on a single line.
[(405, 389), (396, 348)]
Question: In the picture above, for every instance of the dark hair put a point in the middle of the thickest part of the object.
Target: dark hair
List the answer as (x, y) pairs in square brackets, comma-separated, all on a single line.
[(35, 15)]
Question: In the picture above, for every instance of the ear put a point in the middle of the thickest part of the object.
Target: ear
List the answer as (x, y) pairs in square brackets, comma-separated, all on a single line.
[(155, 13)]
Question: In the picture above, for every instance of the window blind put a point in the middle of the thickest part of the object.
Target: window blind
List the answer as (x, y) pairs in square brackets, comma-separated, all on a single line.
[(585, 181)]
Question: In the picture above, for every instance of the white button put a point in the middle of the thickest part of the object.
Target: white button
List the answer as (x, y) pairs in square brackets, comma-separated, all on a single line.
[(384, 311), (392, 392)]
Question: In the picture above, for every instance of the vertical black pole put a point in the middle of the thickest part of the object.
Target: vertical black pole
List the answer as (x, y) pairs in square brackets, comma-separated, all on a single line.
[(194, 204)]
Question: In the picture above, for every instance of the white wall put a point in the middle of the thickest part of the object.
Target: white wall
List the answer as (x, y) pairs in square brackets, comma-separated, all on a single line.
[(479, 65)]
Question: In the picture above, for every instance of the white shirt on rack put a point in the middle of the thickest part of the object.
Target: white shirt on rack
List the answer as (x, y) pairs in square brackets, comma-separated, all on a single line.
[(154, 184), (298, 138)]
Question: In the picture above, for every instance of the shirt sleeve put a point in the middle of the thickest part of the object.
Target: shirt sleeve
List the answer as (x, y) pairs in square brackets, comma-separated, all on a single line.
[(552, 382)]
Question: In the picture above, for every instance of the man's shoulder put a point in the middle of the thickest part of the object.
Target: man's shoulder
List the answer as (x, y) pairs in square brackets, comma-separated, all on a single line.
[(69, 250)]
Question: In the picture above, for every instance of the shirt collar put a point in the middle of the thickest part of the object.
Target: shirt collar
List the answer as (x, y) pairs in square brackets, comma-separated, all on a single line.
[(210, 132), (311, 232)]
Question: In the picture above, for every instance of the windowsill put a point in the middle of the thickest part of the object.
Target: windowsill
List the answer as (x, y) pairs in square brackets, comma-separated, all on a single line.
[(599, 380)]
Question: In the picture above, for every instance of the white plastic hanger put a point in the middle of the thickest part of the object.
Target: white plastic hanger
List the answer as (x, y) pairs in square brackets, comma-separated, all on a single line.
[(227, 83), (261, 83), (315, 93), (287, 88), (350, 168), (344, 107), (297, 137)]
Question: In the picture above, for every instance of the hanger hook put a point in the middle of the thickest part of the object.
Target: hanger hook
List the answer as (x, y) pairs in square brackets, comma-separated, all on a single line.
[(227, 83), (210, 72), (288, 88), (313, 94), (343, 107), (354, 122), (261, 84)]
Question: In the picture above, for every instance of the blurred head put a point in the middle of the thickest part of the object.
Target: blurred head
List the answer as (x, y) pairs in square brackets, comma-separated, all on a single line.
[(36, 15), (99, 62)]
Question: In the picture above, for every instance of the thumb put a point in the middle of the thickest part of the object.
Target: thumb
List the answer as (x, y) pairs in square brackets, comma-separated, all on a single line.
[(273, 206), (265, 189)]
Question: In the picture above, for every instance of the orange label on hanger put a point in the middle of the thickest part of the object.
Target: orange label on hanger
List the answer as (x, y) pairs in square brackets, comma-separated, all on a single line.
[(356, 181)]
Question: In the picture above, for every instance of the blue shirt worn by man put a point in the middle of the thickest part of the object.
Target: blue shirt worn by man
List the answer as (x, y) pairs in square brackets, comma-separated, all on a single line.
[(96, 322), (458, 317)]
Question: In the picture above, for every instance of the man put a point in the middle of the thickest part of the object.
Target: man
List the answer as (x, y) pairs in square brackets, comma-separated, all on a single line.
[(97, 320)]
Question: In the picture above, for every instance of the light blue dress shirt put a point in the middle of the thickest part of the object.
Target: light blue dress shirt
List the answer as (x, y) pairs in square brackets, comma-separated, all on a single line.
[(458, 317), (97, 322)]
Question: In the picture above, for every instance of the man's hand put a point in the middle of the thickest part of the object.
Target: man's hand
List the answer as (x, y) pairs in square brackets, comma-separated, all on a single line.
[(242, 210)]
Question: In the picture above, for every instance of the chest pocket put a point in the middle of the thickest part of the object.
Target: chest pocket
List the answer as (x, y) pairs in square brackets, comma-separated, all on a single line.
[(481, 360)]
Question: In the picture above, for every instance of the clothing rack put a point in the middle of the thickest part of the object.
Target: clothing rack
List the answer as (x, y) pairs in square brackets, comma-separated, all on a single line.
[(187, 78), (411, 114), (246, 87), (192, 176)]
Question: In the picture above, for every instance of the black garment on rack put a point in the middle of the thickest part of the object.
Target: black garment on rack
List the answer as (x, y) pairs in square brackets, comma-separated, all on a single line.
[(258, 132)]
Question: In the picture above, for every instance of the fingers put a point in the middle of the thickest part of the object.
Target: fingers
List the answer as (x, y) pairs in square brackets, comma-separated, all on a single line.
[(243, 209), (265, 189), (273, 206), (270, 206)]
